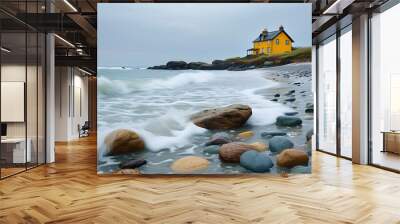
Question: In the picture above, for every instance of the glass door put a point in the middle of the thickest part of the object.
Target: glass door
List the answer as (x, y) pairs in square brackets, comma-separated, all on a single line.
[(345, 42), (14, 153), (22, 78), (385, 90), (327, 93)]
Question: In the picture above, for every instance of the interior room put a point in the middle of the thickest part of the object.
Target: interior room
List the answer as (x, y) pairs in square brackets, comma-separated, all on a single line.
[(49, 100), (22, 100), (385, 87)]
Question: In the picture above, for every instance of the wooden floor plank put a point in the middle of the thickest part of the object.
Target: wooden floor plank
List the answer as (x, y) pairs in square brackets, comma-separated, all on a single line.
[(70, 191)]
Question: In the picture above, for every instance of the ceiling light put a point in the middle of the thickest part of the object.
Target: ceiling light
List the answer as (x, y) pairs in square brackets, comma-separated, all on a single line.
[(70, 5), (84, 71), (5, 50), (338, 6), (65, 41)]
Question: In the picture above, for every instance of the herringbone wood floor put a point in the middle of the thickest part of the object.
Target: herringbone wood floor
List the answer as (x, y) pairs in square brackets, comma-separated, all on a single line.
[(69, 191)]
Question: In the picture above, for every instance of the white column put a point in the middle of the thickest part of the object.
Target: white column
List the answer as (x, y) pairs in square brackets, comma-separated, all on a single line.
[(50, 99), (360, 90)]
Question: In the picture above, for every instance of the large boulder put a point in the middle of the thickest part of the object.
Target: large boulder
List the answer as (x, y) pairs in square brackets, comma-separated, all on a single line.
[(289, 158), (206, 66), (122, 141), (195, 65), (255, 161), (189, 163), (233, 116), (231, 152), (289, 121), (237, 67), (176, 65), (219, 138), (221, 65), (279, 143)]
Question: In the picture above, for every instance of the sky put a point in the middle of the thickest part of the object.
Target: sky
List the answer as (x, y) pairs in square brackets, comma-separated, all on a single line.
[(149, 34)]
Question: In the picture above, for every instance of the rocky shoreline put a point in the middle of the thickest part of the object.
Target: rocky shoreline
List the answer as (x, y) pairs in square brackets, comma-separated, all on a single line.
[(215, 65), (241, 64), (282, 147)]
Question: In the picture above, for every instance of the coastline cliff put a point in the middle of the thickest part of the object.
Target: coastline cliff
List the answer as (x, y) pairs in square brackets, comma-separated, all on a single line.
[(241, 63)]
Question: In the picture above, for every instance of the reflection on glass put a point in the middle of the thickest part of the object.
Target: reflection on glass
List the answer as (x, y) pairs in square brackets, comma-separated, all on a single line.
[(31, 99), (14, 150), (22, 91), (41, 99), (346, 94), (385, 89), (327, 96)]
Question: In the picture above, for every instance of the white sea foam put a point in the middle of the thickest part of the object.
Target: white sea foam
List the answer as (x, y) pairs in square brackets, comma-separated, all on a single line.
[(183, 79), (264, 111), (111, 87), (162, 162), (159, 109), (171, 130)]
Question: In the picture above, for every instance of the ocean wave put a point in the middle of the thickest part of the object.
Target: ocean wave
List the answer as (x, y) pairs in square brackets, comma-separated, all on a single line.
[(172, 130), (182, 79), (264, 111), (160, 109), (106, 86)]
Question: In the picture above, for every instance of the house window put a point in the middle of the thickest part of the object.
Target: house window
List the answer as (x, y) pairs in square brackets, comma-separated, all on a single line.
[(287, 42), (269, 50), (277, 41)]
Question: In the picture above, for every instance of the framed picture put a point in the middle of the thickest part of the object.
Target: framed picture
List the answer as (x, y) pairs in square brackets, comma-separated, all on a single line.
[(204, 88)]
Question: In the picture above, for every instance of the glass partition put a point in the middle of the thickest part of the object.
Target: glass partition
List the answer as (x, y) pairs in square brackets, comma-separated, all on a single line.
[(14, 153), (385, 89), (31, 97), (22, 77), (41, 97), (327, 95), (346, 92)]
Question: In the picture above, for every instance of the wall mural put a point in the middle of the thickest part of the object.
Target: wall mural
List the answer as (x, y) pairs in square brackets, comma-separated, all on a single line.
[(204, 88)]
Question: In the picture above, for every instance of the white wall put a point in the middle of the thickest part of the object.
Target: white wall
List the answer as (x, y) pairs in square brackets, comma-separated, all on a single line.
[(71, 102), (33, 126)]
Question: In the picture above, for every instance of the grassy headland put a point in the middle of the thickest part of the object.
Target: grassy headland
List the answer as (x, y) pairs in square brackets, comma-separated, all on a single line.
[(243, 63)]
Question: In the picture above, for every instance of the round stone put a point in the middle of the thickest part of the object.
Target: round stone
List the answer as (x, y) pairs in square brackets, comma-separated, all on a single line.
[(189, 163), (256, 161)]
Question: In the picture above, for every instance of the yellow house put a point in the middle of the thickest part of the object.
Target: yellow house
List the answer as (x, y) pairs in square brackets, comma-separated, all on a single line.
[(273, 42)]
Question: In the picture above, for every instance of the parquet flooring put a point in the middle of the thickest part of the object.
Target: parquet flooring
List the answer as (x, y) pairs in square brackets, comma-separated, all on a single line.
[(69, 191)]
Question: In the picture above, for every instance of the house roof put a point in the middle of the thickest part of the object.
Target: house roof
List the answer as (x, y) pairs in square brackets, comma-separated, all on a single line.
[(270, 35)]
